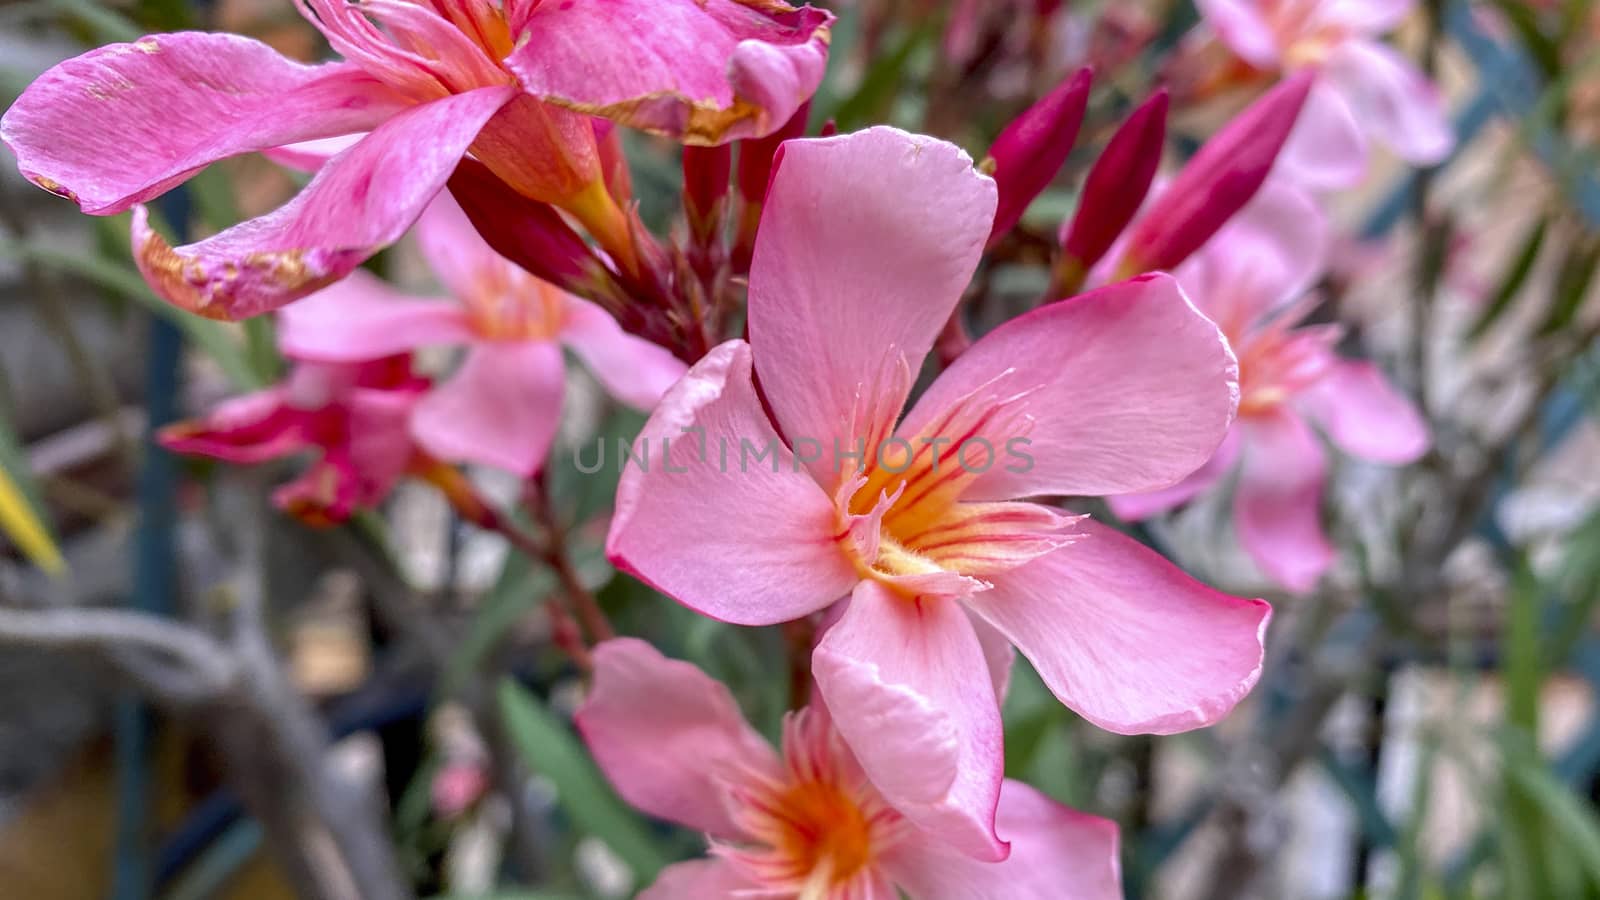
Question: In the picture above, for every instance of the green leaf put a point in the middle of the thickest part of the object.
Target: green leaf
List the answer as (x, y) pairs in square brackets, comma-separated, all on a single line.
[(1516, 275), (1574, 821), (551, 748), (1572, 284)]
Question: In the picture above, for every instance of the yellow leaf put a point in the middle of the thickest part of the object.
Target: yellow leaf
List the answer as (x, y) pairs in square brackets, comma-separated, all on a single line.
[(21, 523)]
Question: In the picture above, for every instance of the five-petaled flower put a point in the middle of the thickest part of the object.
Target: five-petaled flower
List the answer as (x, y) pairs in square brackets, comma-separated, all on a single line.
[(1252, 280), (1365, 90), (866, 244), (502, 406), (807, 824), (514, 84)]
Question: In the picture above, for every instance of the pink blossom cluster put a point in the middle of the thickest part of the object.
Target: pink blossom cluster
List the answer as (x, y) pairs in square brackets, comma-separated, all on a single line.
[(490, 132)]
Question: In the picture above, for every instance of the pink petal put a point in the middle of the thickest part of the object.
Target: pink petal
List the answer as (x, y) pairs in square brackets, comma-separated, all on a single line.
[(1134, 507), (632, 369), (127, 122), (705, 71), (698, 879), (1393, 100), (309, 156), (501, 408), (706, 520), (1102, 422), (905, 681), (1278, 508), (997, 653), (251, 428), (380, 447), (1364, 415), (866, 243), (1327, 149), (1127, 639), (670, 738), (456, 253), (1057, 853), (1243, 29), (363, 318), (362, 200), (1265, 257), (1367, 17)]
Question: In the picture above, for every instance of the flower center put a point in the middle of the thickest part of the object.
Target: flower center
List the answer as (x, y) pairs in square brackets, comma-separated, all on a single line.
[(424, 49), (508, 304), (1275, 363), (822, 826), (902, 520)]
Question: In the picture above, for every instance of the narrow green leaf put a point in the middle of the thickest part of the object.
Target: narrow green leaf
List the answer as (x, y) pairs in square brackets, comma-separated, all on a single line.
[(1511, 282), (22, 515), (1572, 284), (552, 750), (1575, 823)]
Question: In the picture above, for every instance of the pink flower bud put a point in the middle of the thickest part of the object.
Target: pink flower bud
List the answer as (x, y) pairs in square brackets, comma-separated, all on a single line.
[(1116, 186), (706, 171), (1218, 181), (1031, 150), (529, 233)]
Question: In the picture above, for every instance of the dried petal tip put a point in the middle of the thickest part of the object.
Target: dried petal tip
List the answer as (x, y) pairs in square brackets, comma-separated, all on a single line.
[(1031, 150), (1115, 189), (1218, 181)]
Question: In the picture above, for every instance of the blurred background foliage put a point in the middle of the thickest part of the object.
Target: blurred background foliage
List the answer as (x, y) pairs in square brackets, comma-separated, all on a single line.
[(1427, 726)]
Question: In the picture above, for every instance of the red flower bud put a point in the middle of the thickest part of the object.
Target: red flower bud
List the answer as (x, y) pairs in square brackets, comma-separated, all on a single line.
[(1218, 181), (1031, 150), (706, 171), (1114, 190), (755, 171)]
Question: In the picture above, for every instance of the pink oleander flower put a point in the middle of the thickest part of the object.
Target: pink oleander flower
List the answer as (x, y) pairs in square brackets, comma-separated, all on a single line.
[(1252, 281), (502, 406), (1366, 90), (771, 506), (514, 84), (351, 417), (807, 823)]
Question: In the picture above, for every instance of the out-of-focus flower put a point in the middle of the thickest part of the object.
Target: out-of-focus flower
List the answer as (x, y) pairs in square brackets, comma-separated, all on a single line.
[(352, 417), (807, 823), (866, 246), (1365, 89), (1032, 149), (1248, 280), (513, 84), (502, 406), (1216, 183)]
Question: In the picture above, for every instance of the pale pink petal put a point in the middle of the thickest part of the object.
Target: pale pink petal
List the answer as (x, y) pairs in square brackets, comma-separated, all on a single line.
[(1125, 638), (1364, 415), (997, 653), (719, 516), (908, 687), (1327, 149), (704, 71), (1243, 29), (362, 318), (670, 737), (380, 449), (632, 369), (866, 244), (1364, 17), (1103, 422), (1057, 853), (1393, 100), (1134, 507), (456, 253), (501, 408), (362, 200), (698, 879), (127, 122), (1278, 507), (309, 156), (1268, 255)]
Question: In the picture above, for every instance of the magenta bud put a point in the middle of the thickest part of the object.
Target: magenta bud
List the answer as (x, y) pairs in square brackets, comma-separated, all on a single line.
[(706, 171), (529, 233), (1218, 181), (1032, 149), (1117, 184)]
